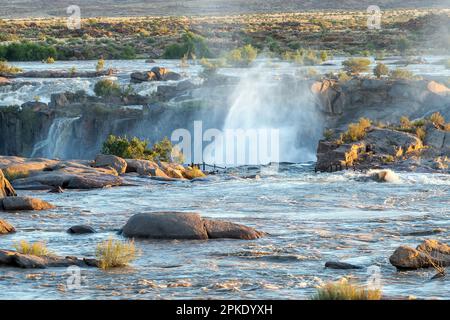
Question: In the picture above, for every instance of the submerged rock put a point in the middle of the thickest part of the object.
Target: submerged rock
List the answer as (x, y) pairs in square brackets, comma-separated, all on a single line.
[(427, 254), (107, 160), (383, 176), (217, 229), (25, 203), (27, 261), (81, 229), (184, 225), (5, 227), (56, 189), (4, 81), (341, 265)]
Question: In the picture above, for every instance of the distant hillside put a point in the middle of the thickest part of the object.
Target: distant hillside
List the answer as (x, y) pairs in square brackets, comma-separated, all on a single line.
[(47, 8)]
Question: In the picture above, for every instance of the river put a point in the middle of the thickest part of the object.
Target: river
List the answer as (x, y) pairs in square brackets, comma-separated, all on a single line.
[(311, 218)]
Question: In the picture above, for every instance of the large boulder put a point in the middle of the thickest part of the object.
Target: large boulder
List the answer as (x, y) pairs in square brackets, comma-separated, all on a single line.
[(5, 227), (427, 254), (333, 157), (387, 141), (6, 189), (145, 168), (166, 225), (184, 225), (155, 74), (439, 140), (329, 96), (25, 203), (111, 161)]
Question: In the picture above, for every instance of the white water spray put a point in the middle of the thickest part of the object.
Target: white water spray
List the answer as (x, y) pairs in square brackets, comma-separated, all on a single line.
[(58, 139), (284, 103)]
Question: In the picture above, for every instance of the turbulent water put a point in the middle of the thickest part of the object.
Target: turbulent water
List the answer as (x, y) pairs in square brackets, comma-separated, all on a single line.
[(311, 218)]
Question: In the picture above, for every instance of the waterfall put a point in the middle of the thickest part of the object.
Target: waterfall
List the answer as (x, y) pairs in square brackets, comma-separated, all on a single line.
[(266, 103), (58, 139)]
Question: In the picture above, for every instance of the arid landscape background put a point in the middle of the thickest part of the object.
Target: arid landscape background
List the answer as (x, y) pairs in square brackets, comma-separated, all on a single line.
[(46, 8)]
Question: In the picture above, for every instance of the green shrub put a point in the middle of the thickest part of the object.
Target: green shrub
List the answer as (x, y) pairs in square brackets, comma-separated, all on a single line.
[(114, 253), (310, 58), (343, 290), (437, 119), (401, 74), (49, 60), (357, 131), (421, 133), (405, 123), (343, 77), (106, 88), (191, 44), (125, 148), (127, 52), (6, 68), (380, 70), (242, 56), (162, 150), (27, 51), (138, 149), (403, 45), (328, 134), (356, 65), (100, 65)]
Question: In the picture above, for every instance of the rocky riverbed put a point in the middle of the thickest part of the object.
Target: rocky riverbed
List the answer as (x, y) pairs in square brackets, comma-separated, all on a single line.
[(249, 231)]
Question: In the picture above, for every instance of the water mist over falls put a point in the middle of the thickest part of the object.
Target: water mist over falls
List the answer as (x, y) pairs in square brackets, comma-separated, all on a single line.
[(275, 103)]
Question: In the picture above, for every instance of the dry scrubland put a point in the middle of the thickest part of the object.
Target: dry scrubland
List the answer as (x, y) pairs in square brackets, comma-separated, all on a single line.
[(114, 8), (425, 30)]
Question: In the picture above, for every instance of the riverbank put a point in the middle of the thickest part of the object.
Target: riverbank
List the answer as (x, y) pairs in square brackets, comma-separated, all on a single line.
[(410, 31)]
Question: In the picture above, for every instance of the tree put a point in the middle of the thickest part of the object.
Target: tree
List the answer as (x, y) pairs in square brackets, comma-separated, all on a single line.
[(356, 65), (100, 65), (107, 87), (403, 44)]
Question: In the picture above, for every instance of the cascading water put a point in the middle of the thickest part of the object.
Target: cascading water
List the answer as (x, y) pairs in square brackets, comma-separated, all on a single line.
[(58, 139), (267, 102)]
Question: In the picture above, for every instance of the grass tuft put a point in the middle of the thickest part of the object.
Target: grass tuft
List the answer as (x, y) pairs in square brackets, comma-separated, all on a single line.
[(343, 290), (37, 249), (114, 253)]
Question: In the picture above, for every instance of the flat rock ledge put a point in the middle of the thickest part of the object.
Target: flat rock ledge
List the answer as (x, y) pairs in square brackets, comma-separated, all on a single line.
[(15, 259), (427, 254), (23, 204), (185, 225)]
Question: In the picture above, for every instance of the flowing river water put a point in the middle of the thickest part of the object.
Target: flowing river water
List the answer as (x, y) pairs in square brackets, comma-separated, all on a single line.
[(311, 218)]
